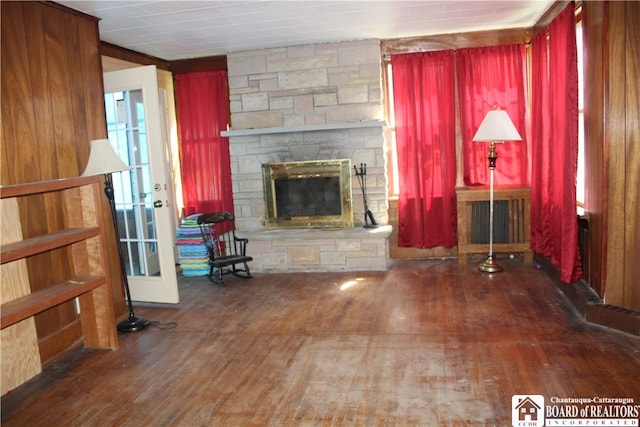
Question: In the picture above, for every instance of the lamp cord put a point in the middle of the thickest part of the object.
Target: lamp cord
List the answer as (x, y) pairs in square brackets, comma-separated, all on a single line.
[(163, 326)]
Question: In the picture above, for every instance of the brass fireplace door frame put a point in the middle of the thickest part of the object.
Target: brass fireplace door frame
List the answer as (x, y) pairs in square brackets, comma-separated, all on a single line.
[(310, 169)]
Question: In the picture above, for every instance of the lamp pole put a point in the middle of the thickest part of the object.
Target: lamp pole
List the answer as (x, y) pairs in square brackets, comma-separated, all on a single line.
[(131, 323), (490, 265)]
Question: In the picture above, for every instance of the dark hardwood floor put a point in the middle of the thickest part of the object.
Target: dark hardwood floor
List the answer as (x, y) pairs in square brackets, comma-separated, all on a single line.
[(428, 343)]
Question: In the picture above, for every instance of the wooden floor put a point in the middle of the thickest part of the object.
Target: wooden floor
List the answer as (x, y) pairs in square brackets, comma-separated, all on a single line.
[(428, 343)]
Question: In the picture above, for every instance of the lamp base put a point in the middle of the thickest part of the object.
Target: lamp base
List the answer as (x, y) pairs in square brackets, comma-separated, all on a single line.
[(133, 324), (490, 266)]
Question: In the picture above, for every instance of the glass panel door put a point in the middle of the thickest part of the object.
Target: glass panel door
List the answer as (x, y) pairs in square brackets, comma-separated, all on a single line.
[(133, 193), (143, 196)]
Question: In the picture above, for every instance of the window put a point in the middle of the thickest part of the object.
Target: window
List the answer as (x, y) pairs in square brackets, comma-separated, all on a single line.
[(393, 186), (580, 176)]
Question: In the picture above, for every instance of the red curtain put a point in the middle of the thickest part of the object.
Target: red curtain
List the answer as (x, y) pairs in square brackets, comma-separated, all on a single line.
[(424, 102), (203, 112), (491, 77), (554, 227)]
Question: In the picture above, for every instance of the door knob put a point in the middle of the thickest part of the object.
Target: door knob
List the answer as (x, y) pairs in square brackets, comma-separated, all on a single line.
[(157, 204)]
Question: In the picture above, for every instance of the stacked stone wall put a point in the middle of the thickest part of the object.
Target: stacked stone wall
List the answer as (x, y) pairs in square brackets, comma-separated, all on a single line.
[(312, 102)]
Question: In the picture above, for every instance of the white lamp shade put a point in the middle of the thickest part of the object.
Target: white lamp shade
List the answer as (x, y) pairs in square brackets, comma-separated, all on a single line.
[(498, 127), (103, 159)]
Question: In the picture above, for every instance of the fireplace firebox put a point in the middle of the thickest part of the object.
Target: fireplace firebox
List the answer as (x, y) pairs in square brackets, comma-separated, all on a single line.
[(308, 194)]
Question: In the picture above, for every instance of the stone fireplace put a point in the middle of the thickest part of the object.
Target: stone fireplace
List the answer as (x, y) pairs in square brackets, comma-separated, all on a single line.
[(312, 103)]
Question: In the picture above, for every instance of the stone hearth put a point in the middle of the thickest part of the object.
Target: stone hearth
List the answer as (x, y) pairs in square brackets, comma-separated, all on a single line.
[(319, 250)]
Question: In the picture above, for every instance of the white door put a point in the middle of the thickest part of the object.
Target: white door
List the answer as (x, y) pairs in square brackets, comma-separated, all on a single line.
[(143, 195)]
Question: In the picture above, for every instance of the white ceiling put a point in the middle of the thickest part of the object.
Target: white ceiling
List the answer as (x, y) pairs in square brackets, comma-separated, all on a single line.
[(180, 29)]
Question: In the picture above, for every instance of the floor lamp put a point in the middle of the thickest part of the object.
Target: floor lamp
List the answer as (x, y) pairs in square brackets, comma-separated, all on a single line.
[(103, 160), (496, 127)]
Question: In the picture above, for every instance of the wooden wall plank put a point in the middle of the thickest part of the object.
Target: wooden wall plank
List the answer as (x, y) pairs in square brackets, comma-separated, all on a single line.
[(61, 91), (75, 54), (90, 70), (593, 27), (38, 78), (615, 139), (632, 158), (18, 122)]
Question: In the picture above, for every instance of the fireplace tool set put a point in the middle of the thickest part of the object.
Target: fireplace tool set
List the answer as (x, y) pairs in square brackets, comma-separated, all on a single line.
[(362, 180)]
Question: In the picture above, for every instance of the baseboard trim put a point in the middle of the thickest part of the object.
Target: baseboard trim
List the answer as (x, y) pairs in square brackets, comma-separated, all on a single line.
[(589, 305)]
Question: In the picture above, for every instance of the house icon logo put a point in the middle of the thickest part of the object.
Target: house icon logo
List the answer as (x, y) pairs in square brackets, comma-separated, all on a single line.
[(527, 410)]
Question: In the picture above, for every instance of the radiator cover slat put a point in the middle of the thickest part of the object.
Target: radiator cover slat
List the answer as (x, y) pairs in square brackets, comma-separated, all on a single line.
[(508, 226)]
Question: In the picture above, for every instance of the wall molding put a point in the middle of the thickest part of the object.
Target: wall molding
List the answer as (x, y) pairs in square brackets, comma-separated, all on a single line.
[(589, 305), (306, 128)]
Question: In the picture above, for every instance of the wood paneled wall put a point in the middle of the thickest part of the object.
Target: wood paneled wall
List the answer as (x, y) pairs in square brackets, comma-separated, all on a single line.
[(51, 92), (622, 135), (52, 106), (593, 29), (612, 151)]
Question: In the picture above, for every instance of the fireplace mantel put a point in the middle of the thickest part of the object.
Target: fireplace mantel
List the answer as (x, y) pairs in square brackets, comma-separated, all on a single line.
[(305, 128)]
